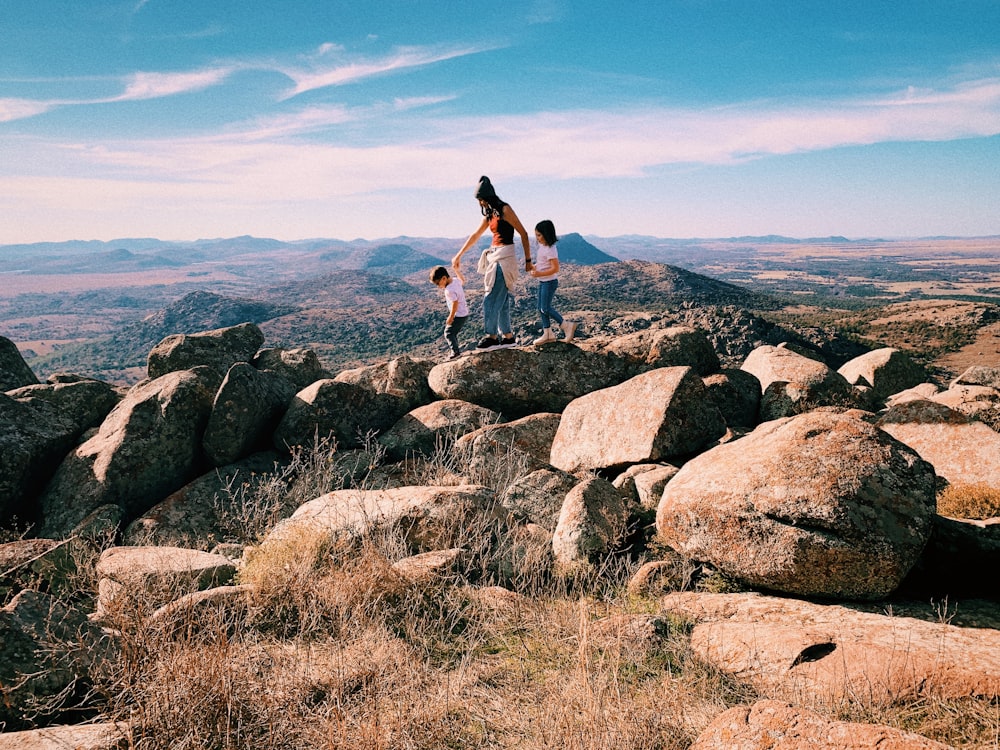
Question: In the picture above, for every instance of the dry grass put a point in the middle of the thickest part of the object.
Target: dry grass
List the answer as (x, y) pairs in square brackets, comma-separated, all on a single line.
[(960, 500), (335, 650)]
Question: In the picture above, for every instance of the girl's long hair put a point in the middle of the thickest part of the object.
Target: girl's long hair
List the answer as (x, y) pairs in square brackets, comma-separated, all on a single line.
[(548, 231)]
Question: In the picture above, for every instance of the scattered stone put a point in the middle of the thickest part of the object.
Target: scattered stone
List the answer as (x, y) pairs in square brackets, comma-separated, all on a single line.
[(435, 426), (300, 367), (509, 448), (538, 497), (14, 371), (592, 522), (886, 371)]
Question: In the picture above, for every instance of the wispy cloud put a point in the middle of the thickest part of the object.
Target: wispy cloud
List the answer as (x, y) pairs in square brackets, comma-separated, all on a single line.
[(156, 85), (323, 72), (20, 109)]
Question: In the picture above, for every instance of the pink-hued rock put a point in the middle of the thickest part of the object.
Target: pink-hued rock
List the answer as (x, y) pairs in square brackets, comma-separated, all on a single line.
[(773, 725), (961, 450), (796, 648), (649, 418), (820, 504)]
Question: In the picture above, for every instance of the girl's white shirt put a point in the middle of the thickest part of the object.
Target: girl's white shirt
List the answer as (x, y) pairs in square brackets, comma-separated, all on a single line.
[(543, 262)]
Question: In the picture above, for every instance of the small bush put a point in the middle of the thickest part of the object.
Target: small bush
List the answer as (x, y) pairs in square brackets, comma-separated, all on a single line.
[(960, 500)]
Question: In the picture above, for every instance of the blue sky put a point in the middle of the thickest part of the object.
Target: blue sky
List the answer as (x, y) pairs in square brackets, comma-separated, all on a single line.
[(186, 119)]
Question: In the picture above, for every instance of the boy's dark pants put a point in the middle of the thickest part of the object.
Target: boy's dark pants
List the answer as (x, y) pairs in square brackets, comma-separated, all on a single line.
[(451, 333)]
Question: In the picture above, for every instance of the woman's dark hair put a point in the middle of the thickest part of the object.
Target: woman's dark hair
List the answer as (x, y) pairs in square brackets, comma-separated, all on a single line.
[(548, 231), (486, 193), (494, 206)]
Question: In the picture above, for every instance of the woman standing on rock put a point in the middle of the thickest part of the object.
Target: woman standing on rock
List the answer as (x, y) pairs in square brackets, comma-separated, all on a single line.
[(498, 263)]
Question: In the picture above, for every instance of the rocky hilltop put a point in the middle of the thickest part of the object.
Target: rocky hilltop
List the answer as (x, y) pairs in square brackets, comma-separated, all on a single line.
[(698, 440)]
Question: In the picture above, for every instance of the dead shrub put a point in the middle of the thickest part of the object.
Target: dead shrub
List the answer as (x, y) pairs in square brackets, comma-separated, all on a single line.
[(972, 500)]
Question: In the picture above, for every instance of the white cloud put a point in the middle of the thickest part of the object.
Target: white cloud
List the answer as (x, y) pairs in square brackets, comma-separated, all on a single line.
[(156, 85), (339, 72), (19, 109)]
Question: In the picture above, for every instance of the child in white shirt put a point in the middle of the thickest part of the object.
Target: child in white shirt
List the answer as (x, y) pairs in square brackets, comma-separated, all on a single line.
[(546, 270), (458, 310)]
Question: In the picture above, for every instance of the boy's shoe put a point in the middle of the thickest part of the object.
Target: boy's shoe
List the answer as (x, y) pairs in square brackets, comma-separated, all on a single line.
[(488, 342), (508, 341), (569, 329), (454, 355)]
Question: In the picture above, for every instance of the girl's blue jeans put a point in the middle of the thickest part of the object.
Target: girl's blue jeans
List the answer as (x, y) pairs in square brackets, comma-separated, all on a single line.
[(546, 291)]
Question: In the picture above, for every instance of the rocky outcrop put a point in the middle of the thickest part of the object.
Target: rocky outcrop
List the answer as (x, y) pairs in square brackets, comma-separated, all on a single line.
[(128, 576), (147, 447), (14, 371), (820, 504), (219, 349), (736, 394), (592, 521), (34, 437), (791, 382), (403, 377), (774, 725), (979, 375), (432, 517), (511, 448), (828, 652), (675, 346), (962, 450), (247, 408), (300, 367), (538, 497), (349, 414), (435, 425), (84, 402), (508, 380), (209, 507), (886, 371), (46, 647), (649, 418)]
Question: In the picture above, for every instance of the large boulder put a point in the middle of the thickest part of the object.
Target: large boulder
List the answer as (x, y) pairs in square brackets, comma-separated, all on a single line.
[(972, 400), (828, 653), (147, 447), (47, 648), (348, 413), (247, 409), (737, 394), (105, 736), (820, 504), (430, 518), (83, 402), (792, 382), (219, 505), (300, 367), (651, 417), (676, 346), (403, 377), (592, 521), (435, 426), (219, 349), (979, 375), (962, 450), (538, 497), (34, 438), (516, 447), (149, 577), (510, 381), (886, 371), (775, 725), (14, 371)]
